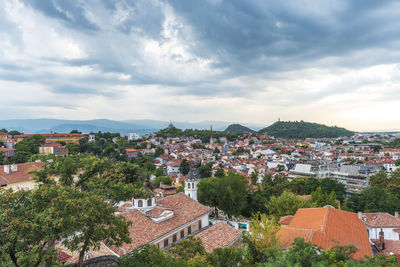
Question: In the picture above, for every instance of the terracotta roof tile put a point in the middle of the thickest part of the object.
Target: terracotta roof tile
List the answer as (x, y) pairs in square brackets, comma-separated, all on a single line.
[(380, 219), (21, 175), (219, 235), (144, 230), (328, 227)]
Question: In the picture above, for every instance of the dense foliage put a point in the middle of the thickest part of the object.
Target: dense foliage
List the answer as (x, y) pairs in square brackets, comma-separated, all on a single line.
[(261, 249), (302, 130), (203, 135), (238, 129)]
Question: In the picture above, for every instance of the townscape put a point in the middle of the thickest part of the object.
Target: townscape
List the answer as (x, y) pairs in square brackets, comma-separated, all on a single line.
[(199, 197), (206, 133)]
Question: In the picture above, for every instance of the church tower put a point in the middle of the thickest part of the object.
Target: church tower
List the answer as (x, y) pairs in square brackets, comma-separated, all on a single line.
[(191, 182)]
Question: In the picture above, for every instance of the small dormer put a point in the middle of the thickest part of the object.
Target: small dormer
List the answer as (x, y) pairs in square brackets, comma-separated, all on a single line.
[(144, 204)]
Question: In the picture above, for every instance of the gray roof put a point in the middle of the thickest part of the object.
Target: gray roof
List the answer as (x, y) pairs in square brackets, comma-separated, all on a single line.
[(192, 175)]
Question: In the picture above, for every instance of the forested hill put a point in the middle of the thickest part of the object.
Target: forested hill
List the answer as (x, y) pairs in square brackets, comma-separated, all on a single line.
[(238, 129), (204, 135), (301, 130)]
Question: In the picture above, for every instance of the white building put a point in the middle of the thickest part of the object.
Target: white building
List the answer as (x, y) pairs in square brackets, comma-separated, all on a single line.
[(133, 136), (191, 181), (173, 168), (377, 222)]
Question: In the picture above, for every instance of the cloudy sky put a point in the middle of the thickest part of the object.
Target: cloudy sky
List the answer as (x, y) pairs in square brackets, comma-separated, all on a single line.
[(333, 62)]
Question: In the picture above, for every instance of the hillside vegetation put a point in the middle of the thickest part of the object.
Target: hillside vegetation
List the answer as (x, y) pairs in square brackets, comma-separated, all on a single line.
[(204, 135), (301, 130), (238, 129)]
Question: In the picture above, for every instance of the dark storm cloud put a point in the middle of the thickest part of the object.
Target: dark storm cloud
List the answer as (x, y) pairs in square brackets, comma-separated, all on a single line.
[(263, 36)]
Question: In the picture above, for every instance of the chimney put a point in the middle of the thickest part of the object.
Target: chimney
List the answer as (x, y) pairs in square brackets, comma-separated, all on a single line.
[(360, 215), (14, 168), (382, 239), (396, 214), (7, 169)]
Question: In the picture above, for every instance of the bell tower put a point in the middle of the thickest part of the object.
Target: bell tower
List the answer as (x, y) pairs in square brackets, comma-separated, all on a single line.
[(191, 182)]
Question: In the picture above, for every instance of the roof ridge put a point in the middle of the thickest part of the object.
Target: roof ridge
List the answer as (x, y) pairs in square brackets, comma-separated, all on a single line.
[(4, 179), (325, 220), (305, 229)]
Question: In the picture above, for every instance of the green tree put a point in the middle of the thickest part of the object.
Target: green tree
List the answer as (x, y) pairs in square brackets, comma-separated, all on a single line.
[(207, 192), (225, 257), (256, 201), (219, 172), (130, 171), (161, 179), (31, 144), (14, 133), (149, 256), (376, 199), (159, 151), (34, 220), (328, 185), (232, 191), (188, 248), (2, 157), (73, 148), (97, 224), (184, 168), (287, 204), (379, 179), (66, 168), (303, 253), (321, 199), (20, 157), (263, 244), (254, 178), (206, 170)]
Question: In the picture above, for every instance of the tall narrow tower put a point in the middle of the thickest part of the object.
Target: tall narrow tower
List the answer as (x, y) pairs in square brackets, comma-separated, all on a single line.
[(211, 138), (191, 182)]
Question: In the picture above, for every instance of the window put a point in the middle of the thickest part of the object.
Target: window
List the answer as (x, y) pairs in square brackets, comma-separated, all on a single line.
[(189, 230), (149, 202), (182, 234), (200, 224), (140, 203), (165, 242), (174, 238), (189, 185)]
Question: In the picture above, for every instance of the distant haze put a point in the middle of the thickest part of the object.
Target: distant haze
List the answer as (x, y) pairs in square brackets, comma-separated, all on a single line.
[(103, 125)]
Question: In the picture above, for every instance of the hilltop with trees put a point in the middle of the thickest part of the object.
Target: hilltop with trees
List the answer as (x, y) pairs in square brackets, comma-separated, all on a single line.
[(302, 130), (203, 135), (238, 129)]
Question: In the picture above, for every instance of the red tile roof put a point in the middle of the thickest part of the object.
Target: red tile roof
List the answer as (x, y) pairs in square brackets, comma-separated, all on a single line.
[(23, 173), (219, 235), (144, 230), (380, 219), (328, 227), (390, 246)]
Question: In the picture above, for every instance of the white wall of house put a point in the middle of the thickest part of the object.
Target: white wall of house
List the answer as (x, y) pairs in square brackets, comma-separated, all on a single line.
[(173, 169), (389, 233)]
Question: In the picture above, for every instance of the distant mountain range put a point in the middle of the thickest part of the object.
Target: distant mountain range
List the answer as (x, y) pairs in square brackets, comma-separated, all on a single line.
[(238, 129), (104, 125)]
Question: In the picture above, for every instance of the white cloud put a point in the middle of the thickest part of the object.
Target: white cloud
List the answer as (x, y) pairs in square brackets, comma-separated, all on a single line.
[(135, 66)]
